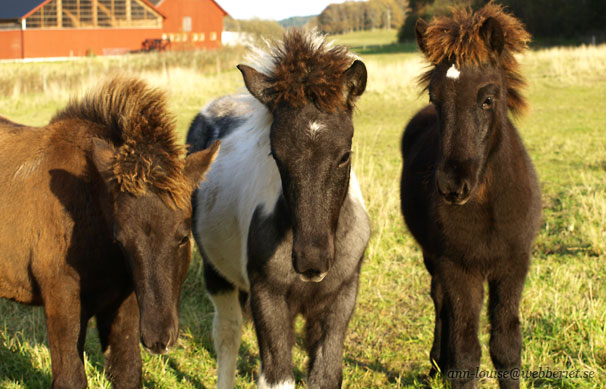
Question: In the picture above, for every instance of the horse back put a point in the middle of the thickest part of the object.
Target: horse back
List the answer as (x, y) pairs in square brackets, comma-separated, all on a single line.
[(217, 120), (46, 195), (419, 130), (419, 152), (6, 122), (242, 178)]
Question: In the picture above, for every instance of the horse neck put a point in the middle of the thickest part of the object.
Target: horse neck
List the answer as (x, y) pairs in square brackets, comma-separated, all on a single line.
[(508, 161)]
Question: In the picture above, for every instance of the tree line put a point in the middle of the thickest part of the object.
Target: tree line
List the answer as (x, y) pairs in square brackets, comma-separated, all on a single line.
[(258, 29), (545, 19), (361, 15)]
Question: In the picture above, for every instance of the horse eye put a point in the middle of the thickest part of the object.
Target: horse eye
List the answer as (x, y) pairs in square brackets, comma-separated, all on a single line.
[(184, 240), (345, 159), (487, 104)]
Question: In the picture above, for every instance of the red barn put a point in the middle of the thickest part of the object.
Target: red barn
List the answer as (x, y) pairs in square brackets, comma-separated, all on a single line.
[(191, 23), (62, 28)]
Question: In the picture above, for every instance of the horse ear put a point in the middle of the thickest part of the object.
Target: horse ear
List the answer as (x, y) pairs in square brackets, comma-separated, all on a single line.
[(420, 28), (198, 163), (256, 83), (102, 157), (355, 80), (493, 35)]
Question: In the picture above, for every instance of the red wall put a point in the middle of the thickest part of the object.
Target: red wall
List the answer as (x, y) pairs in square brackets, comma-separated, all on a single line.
[(73, 42), (65, 43), (206, 17), (10, 44)]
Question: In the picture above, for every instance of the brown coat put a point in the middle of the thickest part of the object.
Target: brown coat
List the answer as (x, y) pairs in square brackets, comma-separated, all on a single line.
[(96, 222)]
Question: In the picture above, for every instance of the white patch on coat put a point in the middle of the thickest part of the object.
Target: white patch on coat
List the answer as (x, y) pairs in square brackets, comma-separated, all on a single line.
[(243, 176), (27, 168), (314, 129), (282, 385), (354, 192), (227, 106), (453, 72), (227, 335)]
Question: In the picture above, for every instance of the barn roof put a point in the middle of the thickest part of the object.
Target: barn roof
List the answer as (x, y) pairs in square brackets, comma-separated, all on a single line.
[(15, 9), (221, 8), (157, 3)]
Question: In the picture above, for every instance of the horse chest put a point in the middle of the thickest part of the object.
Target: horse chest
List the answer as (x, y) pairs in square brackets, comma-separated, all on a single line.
[(270, 249), (478, 231)]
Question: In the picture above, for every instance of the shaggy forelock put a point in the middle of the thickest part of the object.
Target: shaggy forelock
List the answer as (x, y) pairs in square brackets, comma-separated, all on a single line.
[(305, 68), (134, 118), (456, 39)]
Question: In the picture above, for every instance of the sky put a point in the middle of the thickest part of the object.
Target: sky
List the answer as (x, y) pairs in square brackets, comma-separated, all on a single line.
[(273, 9)]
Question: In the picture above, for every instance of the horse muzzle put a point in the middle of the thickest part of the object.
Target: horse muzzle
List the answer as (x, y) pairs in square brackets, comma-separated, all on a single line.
[(158, 336), (454, 190), (312, 277), (312, 255)]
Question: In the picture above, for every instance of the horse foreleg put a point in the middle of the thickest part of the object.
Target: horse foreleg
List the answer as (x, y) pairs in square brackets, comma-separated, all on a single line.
[(505, 292), (275, 334), (463, 295), (227, 324), (324, 336), (437, 354), (66, 326), (119, 334)]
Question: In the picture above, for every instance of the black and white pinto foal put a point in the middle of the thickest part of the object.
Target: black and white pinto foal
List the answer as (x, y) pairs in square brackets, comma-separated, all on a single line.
[(280, 217)]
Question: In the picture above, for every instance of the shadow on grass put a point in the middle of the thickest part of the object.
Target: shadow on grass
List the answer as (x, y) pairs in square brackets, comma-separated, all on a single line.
[(598, 166), (17, 366), (23, 330), (181, 376), (412, 377)]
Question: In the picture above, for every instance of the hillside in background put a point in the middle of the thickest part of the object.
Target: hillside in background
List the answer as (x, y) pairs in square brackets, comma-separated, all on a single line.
[(296, 21), (257, 29)]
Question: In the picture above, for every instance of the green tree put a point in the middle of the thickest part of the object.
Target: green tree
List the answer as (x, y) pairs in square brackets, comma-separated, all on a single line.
[(259, 29), (354, 16), (427, 9), (544, 19)]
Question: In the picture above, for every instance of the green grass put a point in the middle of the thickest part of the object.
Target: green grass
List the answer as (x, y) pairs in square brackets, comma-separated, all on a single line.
[(374, 42), (563, 311), (367, 38)]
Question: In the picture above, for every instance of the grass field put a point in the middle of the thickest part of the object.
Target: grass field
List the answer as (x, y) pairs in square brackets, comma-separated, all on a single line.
[(563, 311)]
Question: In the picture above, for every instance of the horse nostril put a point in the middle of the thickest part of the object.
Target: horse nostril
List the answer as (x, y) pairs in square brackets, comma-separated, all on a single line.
[(442, 183), (311, 273), (161, 345), (312, 276), (464, 190)]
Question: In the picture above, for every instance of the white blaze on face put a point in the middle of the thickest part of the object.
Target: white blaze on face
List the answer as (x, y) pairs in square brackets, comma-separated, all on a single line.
[(453, 72), (314, 128)]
